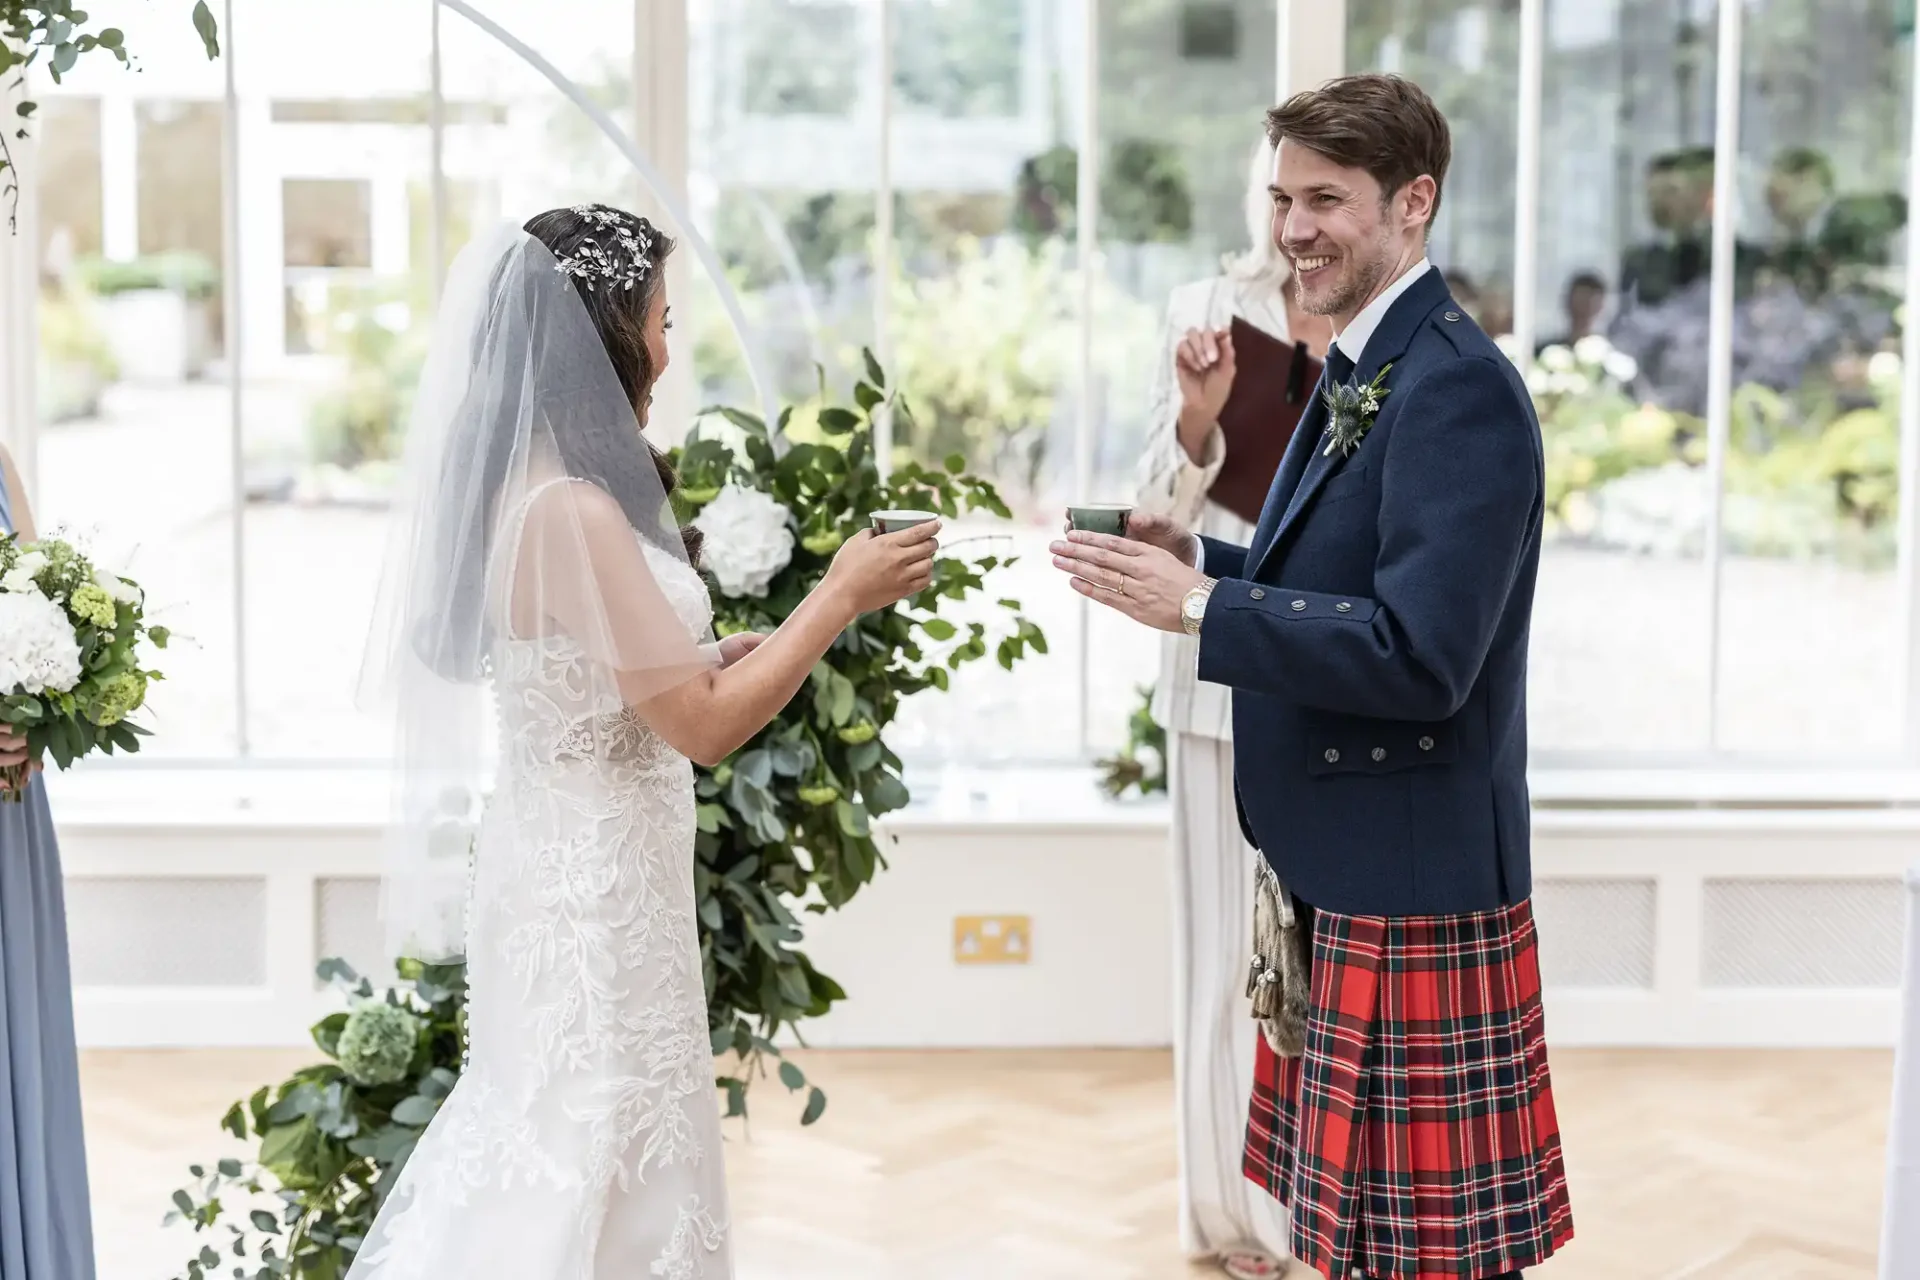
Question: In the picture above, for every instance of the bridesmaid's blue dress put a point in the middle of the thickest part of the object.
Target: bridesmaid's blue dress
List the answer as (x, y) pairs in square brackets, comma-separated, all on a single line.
[(46, 1228)]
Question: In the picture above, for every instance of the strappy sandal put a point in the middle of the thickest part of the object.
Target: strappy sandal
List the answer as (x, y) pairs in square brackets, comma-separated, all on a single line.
[(1251, 1263)]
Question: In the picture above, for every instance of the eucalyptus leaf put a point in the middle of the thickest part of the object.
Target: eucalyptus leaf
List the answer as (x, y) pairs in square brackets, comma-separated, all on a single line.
[(415, 1112)]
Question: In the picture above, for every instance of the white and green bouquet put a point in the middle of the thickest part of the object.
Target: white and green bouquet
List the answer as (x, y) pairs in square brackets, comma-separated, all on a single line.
[(71, 645)]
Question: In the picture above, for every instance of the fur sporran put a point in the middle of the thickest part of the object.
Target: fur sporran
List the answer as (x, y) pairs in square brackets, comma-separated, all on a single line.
[(1278, 979)]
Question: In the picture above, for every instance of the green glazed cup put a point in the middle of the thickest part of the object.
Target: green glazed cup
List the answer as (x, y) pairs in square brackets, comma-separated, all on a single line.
[(895, 521), (1101, 517)]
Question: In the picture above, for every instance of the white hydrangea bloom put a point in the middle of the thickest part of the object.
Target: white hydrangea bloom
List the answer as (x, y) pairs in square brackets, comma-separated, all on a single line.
[(1621, 367), (1592, 350), (1557, 359), (749, 539), (1509, 346), (1884, 366), (1568, 383), (38, 652)]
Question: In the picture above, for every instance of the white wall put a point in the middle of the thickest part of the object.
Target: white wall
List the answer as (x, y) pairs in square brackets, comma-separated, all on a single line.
[(1659, 926)]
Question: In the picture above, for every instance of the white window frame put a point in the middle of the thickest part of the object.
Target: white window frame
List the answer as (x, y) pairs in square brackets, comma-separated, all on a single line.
[(1310, 48)]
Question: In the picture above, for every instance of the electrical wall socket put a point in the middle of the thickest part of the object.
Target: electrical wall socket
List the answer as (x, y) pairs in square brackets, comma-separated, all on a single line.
[(992, 939)]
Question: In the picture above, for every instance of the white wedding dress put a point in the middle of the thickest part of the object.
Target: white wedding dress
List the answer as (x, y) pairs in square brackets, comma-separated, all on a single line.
[(583, 1141)]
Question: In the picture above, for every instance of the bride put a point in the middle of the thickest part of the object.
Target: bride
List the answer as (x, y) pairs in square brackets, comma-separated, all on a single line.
[(541, 608)]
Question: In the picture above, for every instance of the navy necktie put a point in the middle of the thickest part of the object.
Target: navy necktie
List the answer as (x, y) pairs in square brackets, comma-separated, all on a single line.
[(1339, 367)]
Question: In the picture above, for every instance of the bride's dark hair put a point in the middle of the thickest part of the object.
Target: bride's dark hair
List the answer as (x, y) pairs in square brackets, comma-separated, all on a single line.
[(619, 316)]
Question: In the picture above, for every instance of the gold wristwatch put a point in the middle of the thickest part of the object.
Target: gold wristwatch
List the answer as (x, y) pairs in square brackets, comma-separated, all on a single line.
[(1193, 609)]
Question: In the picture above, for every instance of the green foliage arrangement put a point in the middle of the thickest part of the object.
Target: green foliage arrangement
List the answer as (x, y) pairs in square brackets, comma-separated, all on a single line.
[(1141, 765), (785, 828), (183, 272), (787, 821), (54, 34), (1144, 192), (361, 418), (334, 1136)]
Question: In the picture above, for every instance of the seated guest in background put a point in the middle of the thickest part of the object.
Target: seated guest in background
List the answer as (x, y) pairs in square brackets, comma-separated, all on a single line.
[(1800, 191), (1584, 300), (1680, 205), (45, 1226), (1222, 1215), (1495, 312), (1465, 292)]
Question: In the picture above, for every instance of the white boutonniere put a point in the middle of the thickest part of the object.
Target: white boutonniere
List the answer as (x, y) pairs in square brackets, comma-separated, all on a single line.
[(1351, 409)]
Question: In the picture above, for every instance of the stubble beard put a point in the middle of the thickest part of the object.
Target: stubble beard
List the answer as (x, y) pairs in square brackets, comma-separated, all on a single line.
[(1367, 276)]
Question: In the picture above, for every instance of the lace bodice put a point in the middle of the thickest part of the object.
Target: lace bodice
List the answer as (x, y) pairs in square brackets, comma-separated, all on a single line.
[(556, 710)]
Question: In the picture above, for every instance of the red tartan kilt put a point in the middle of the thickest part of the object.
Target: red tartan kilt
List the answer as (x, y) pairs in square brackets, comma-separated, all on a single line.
[(1417, 1135)]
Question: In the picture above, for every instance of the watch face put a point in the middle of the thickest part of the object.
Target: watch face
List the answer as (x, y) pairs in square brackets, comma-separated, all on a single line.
[(1195, 606)]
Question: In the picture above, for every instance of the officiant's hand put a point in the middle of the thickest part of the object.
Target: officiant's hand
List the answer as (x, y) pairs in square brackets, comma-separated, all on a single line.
[(1165, 533), (738, 645), (1204, 366), (1147, 583)]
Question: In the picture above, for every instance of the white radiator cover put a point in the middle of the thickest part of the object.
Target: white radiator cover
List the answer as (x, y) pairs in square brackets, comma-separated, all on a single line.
[(1658, 927)]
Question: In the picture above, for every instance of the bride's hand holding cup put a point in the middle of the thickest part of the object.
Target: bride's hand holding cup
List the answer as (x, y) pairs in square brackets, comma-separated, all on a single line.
[(874, 569)]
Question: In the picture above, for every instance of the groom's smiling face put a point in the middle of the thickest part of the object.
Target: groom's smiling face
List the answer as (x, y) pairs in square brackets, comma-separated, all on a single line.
[(1346, 238)]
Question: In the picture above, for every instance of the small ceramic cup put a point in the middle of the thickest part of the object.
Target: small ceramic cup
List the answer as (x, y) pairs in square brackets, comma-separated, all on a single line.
[(1101, 517), (895, 521)]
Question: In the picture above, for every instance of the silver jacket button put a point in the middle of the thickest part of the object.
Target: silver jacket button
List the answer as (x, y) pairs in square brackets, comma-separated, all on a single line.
[(1343, 607), (1426, 744), (1453, 315), (1258, 593), (1299, 606), (1333, 755), (1379, 754)]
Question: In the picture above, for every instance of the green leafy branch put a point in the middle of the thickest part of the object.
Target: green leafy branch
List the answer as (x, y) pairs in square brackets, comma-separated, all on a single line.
[(786, 823), (334, 1136), (54, 34)]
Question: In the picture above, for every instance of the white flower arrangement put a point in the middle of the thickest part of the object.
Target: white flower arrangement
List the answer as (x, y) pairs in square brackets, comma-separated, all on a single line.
[(71, 667), (749, 539)]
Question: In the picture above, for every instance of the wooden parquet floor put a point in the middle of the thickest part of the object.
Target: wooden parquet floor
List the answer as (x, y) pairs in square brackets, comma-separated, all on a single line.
[(1050, 1166)]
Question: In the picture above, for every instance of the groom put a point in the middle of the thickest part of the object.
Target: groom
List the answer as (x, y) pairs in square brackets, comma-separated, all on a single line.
[(1375, 637)]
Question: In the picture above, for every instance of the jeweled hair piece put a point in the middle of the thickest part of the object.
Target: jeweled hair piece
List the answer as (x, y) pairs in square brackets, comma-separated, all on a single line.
[(617, 257)]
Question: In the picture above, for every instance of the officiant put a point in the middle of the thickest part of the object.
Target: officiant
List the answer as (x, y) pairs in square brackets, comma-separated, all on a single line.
[(1208, 464)]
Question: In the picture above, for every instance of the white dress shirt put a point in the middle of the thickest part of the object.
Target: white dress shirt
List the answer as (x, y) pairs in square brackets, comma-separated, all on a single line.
[(1353, 339)]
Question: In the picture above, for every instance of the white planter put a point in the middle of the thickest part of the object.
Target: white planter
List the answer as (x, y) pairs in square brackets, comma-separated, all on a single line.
[(157, 335), (69, 390)]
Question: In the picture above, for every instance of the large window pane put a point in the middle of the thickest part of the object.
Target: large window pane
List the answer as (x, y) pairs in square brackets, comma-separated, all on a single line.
[(984, 328), (784, 160), (135, 440), (335, 306), (1183, 93), (1811, 493), (1622, 289), (1466, 54)]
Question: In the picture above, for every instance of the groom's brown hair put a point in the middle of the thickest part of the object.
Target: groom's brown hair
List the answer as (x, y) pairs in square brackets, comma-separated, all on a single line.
[(1383, 124)]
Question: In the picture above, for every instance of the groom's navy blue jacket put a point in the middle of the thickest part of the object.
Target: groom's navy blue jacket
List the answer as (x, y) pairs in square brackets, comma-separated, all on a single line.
[(1375, 633)]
